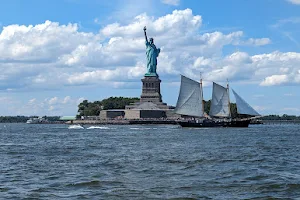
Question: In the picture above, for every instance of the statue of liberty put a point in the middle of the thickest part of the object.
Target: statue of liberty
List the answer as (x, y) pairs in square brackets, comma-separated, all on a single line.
[(152, 53)]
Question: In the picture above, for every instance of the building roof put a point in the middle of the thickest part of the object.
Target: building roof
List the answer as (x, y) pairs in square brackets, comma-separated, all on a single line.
[(67, 118), (114, 110)]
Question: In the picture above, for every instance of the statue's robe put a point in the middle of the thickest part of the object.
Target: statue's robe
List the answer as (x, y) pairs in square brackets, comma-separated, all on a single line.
[(152, 53)]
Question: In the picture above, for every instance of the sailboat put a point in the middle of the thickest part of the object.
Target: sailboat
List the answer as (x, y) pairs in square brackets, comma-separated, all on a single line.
[(190, 105)]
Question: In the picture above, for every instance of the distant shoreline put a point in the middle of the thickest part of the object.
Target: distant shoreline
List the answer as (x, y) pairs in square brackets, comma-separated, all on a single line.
[(145, 121)]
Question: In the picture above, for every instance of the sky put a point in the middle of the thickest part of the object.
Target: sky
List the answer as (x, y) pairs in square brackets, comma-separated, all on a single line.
[(55, 54)]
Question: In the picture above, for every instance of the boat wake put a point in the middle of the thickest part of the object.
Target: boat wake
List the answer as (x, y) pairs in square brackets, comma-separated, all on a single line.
[(98, 127), (75, 127), (140, 128)]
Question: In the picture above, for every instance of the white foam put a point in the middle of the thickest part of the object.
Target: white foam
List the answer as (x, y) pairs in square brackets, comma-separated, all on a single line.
[(75, 127), (135, 128), (98, 127), (142, 128)]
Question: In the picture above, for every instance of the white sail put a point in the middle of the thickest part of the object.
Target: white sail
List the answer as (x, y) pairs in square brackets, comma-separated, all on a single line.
[(190, 98), (220, 102), (243, 107)]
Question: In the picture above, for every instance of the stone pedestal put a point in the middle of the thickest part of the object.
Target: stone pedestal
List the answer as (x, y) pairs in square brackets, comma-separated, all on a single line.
[(150, 94), (151, 90)]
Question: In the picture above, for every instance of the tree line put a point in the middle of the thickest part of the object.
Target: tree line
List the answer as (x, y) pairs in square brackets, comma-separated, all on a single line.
[(87, 108), (23, 119), (282, 117)]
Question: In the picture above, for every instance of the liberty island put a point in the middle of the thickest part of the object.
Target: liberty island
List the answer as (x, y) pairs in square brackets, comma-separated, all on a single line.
[(189, 110), (150, 105)]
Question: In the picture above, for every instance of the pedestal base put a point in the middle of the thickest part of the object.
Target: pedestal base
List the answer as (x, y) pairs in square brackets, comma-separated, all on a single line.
[(151, 89), (150, 93)]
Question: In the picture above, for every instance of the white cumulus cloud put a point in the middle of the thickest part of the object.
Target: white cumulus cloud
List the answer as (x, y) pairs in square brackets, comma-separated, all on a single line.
[(275, 80), (297, 2), (53, 100), (53, 55), (171, 2)]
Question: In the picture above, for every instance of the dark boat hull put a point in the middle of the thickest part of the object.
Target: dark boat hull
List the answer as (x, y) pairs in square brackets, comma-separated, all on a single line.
[(213, 123), (151, 121)]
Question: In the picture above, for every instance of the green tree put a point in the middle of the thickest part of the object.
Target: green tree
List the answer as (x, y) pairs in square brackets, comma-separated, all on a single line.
[(87, 108)]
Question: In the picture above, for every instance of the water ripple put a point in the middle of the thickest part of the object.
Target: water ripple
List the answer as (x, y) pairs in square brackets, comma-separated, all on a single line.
[(149, 162)]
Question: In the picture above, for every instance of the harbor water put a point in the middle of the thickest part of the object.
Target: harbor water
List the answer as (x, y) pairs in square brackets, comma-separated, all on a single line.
[(51, 161)]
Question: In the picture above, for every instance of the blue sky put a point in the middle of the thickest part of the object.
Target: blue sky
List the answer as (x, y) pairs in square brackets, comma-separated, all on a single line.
[(54, 54)]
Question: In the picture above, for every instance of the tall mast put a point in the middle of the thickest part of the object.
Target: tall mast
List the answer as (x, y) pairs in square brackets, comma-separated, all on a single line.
[(228, 98), (201, 93)]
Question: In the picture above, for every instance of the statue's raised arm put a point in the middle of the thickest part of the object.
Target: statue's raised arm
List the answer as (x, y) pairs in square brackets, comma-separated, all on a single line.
[(145, 34)]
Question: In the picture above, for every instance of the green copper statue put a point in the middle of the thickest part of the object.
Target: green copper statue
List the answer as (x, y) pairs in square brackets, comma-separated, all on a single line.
[(152, 53)]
